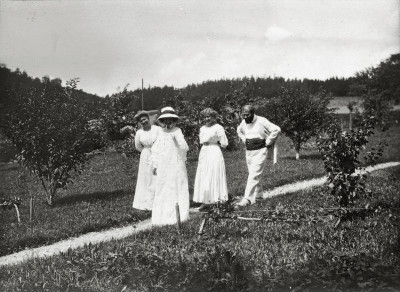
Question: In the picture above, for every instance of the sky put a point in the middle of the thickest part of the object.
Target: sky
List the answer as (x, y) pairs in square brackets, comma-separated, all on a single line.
[(109, 44)]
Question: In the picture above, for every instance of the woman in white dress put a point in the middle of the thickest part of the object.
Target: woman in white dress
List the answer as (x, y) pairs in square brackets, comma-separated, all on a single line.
[(210, 184), (144, 140), (169, 167)]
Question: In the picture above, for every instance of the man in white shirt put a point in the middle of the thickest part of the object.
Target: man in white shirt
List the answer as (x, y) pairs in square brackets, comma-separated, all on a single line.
[(258, 134)]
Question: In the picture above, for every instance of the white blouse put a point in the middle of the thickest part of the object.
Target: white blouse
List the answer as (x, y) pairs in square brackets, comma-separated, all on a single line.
[(213, 135), (146, 139)]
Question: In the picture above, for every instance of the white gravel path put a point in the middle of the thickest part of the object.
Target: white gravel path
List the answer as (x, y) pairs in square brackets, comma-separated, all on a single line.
[(295, 187), (119, 233)]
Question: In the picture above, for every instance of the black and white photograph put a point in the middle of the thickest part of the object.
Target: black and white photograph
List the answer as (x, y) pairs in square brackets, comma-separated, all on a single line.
[(183, 145)]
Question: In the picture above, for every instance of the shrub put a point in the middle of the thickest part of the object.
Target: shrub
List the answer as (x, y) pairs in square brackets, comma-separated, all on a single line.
[(51, 132), (119, 113), (340, 152)]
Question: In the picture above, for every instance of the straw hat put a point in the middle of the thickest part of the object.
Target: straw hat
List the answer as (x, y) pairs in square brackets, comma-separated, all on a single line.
[(141, 114), (209, 112), (168, 112)]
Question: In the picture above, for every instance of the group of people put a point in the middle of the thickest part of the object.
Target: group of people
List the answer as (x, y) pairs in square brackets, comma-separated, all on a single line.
[(162, 181)]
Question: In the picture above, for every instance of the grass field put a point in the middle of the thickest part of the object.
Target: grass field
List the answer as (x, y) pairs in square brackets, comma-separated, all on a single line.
[(359, 254), (102, 197)]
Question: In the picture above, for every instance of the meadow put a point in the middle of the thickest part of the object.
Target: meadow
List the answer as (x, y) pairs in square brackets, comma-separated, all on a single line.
[(102, 196), (276, 255), (359, 254)]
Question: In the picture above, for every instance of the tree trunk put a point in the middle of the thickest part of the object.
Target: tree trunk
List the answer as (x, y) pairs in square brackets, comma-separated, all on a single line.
[(350, 121), (297, 148), (50, 195)]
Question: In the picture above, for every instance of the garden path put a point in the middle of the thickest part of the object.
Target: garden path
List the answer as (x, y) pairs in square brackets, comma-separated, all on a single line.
[(122, 232)]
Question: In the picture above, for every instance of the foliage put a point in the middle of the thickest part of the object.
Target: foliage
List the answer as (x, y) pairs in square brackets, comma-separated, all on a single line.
[(50, 130), (119, 112), (227, 106), (378, 106), (340, 152), (379, 88), (300, 114), (381, 79)]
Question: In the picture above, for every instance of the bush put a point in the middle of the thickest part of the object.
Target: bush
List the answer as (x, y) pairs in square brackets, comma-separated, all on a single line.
[(51, 133), (340, 152)]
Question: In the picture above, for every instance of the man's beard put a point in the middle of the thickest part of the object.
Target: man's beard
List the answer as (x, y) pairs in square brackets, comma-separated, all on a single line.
[(249, 120)]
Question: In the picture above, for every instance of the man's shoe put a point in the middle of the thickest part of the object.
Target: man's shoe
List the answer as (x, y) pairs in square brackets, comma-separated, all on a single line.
[(202, 207), (244, 202)]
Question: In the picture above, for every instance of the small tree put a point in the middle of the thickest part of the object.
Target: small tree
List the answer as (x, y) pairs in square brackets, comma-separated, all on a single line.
[(375, 104), (300, 114), (340, 152), (119, 113), (379, 88), (52, 135)]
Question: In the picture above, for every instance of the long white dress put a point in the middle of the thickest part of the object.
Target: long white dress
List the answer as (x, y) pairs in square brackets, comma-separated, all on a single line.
[(169, 157), (210, 184), (144, 193)]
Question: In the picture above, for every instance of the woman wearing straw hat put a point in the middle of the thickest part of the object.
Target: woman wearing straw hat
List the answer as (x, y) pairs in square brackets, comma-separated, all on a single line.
[(144, 140), (210, 184), (169, 167)]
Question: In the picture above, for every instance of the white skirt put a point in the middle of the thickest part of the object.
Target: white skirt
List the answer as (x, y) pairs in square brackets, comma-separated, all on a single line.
[(210, 184), (171, 188), (144, 193)]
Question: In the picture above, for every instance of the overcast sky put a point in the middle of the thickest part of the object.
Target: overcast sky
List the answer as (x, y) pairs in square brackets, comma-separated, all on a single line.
[(108, 44)]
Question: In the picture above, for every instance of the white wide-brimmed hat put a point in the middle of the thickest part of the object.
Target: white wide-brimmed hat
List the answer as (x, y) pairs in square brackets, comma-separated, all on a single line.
[(168, 112)]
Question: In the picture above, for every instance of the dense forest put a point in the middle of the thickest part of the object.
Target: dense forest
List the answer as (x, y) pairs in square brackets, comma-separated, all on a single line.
[(17, 82), (264, 87), (382, 79)]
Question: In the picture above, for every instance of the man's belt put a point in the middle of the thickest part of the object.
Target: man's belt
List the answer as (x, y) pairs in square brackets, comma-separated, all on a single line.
[(255, 144)]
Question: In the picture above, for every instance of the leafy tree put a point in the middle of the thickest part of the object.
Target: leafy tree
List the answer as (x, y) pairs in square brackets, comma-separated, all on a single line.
[(52, 135), (375, 104), (340, 152), (379, 88), (119, 111), (300, 114)]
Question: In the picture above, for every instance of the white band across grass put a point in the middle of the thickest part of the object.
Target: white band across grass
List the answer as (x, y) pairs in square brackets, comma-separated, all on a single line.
[(298, 186)]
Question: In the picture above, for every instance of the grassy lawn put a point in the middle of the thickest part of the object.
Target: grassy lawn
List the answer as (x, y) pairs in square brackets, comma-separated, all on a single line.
[(102, 197), (359, 254)]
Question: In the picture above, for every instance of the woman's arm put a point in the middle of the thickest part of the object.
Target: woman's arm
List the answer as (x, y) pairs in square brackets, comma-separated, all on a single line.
[(223, 140), (139, 147), (180, 140)]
